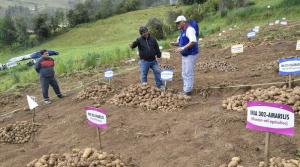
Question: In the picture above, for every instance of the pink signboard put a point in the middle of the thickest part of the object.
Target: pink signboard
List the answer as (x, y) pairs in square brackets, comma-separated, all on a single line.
[(96, 117), (270, 117)]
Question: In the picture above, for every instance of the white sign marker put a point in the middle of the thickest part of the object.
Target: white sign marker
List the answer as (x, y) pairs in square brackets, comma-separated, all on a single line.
[(283, 23), (167, 75), (32, 102), (298, 45), (108, 74), (237, 48), (251, 34), (165, 55)]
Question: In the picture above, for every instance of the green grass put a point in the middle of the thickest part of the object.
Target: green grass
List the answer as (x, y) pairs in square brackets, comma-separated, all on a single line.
[(257, 14)]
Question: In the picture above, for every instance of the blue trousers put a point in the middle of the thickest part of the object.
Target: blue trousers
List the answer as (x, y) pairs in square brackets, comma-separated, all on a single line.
[(45, 82), (144, 68)]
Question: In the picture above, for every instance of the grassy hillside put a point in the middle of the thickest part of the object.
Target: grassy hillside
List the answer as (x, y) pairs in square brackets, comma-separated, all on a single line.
[(109, 38), (252, 15)]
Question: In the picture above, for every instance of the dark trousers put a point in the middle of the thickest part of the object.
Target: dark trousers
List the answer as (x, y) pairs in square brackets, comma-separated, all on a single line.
[(45, 82)]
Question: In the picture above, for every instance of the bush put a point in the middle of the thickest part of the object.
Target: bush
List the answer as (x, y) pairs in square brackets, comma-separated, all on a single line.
[(198, 12), (155, 27), (171, 27)]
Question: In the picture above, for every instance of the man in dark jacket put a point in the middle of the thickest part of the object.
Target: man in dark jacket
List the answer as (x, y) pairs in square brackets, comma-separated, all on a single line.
[(148, 52), (45, 68)]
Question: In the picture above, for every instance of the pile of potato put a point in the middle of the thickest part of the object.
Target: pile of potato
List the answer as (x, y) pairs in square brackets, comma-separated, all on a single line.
[(166, 67), (95, 92), (280, 162), (17, 133), (150, 98), (274, 162), (272, 94), (235, 161), (88, 157), (9, 98), (273, 65), (218, 65)]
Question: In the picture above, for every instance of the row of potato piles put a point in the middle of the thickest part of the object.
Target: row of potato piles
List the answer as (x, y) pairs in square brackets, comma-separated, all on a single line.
[(150, 98), (217, 65), (272, 94), (274, 162), (17, 133), (88, 157)]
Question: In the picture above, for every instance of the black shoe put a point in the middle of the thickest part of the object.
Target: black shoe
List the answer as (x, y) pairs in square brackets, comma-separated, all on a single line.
[(60, 96), (187, 93)]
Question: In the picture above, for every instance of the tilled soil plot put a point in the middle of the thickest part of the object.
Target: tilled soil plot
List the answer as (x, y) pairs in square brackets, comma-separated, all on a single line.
[(201, 135)]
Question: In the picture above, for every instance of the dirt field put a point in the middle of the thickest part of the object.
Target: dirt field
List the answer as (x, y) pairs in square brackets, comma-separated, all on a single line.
[(201, 135)]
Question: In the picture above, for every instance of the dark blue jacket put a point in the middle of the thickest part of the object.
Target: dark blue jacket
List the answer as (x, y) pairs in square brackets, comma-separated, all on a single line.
[(148, 48), (45, 67)]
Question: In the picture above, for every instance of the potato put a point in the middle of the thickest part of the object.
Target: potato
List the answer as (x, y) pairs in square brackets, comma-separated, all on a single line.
[(233, 164), (87, 152), (238, 159)]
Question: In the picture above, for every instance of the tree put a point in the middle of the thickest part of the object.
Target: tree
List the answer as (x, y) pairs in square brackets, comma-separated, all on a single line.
[(8, 31), (190, 2), (21, 31), (156, 28), (41, 27), (78, 15), (106, 8), (127, 6)]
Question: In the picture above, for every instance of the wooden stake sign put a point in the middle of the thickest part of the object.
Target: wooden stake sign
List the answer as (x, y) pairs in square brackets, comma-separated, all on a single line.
[(237, 49), (165, 55), (97, 118), (32, 105), (108, 74), (289, 66), (298, 45), (167, 75), (270, 117), (251, 34)]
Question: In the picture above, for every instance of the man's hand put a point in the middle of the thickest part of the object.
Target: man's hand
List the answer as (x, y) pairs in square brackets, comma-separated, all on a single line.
[(130, 45), (158, 59)]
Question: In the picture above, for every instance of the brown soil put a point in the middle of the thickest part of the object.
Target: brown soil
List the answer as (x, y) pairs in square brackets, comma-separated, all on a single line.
[(201, 135)]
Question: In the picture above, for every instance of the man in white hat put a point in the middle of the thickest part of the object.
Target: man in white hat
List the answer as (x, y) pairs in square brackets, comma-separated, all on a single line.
[(188, 47)]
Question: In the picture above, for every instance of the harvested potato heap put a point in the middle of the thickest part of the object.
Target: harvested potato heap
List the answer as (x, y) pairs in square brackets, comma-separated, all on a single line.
[(149, 98), (279, 162), (222, 66), (95, 92), (273, 94), (167, 67), (273, 65), (235, 161), (274, 162), (88, 157), (17, 133)]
